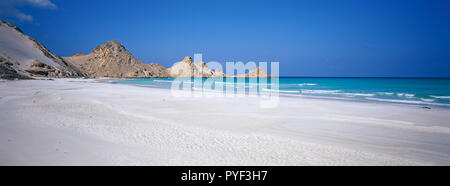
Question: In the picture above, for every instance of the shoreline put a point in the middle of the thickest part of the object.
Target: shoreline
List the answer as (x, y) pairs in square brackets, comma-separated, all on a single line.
[(117, 124), (423, 105), (319, 99)]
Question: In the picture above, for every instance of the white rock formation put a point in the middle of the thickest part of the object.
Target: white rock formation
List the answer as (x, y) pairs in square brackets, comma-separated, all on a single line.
[(188, 69)]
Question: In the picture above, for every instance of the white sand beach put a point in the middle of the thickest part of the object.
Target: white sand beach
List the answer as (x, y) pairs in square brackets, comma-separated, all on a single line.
[(85, 122)]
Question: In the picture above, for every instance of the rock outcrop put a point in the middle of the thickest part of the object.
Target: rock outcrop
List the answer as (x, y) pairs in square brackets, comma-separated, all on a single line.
[(20, 53), (188, 69), (8, 72), (113, 60)]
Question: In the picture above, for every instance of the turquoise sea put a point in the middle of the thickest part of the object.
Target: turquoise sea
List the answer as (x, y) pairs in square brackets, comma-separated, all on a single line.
[(420, 91)]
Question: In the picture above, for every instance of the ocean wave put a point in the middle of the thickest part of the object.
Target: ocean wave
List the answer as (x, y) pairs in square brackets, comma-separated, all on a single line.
[(441, 97), (410, 95), (427, 100), (307, 84), (307, 91), (407, 101), (406, 95), (386, 93), (355, 94), (281, 91)]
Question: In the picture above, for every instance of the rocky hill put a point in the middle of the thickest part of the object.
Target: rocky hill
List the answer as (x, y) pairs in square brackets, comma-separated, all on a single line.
[(23, 57), (112, 59)]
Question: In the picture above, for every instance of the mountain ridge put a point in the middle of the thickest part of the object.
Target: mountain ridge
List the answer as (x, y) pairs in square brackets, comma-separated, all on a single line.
[(23, 57)]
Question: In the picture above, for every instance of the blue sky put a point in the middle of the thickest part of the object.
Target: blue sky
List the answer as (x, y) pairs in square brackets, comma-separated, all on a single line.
[(402, 38)]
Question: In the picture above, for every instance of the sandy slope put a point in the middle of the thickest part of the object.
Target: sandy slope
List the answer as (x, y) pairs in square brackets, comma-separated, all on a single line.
[(80, 122), (28, 57), (18, 46)]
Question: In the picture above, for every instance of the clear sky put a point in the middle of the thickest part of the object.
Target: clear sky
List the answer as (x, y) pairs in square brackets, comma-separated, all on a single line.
[(309, 38)]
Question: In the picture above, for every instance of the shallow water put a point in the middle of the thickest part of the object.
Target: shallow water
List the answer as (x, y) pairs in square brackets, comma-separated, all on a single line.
[(421, 91)]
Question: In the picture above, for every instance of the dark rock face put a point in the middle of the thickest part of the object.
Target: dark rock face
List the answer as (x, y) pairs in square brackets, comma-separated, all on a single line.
[(38, 68), (7, 72)]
